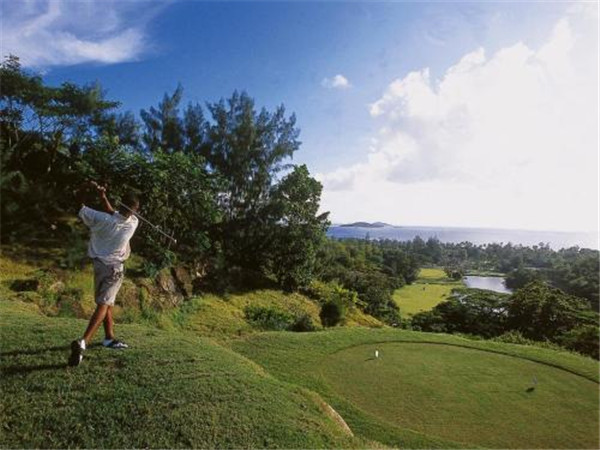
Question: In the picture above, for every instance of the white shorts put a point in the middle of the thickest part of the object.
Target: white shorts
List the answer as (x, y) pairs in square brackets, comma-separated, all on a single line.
[(107, 281)]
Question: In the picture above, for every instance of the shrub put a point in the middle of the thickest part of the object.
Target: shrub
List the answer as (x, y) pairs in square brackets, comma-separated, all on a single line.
[(514, 337), (332, 313), (455, 273), (583, 339), (268, 318), (331, 291), (429, 321), (303, 323)]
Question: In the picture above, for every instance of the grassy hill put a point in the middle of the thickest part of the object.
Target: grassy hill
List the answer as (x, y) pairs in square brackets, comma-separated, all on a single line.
[(169, 390)]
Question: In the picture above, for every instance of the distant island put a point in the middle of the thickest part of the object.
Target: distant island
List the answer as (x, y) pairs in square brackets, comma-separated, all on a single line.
[(367, 225)]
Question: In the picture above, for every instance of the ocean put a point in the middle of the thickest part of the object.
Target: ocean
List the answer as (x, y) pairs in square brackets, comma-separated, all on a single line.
[(478, 236)]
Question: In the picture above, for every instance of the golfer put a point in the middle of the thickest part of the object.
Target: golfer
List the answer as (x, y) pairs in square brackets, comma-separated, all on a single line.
[(108, 248)]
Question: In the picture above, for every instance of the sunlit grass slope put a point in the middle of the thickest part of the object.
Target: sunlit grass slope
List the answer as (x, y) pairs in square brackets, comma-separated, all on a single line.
[(168, 390), (211, 315), (438, 391), (224, 317), (432, 287)]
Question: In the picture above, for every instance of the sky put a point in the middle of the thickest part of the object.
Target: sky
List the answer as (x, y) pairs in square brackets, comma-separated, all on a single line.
[(472, 114)]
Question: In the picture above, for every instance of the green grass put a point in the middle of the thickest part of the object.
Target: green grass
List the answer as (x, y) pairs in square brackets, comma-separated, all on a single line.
[(432, 287), (433, 275), (173, 388), (440, 391), (468, 395), (223, 317), (169, 390), (200, 376)]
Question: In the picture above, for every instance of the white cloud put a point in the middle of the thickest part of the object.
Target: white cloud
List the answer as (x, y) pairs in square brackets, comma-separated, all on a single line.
[(44, 33), (505, 140), (337, 82)]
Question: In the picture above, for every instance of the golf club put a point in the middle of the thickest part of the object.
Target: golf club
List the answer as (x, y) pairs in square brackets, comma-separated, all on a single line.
[(138, 215)]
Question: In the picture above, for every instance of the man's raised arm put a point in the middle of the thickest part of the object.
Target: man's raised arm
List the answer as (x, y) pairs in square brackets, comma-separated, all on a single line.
[(83, 196), (105, 203)]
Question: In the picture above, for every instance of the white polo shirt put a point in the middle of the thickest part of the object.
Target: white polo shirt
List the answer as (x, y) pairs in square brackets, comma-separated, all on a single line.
[(110, 234)]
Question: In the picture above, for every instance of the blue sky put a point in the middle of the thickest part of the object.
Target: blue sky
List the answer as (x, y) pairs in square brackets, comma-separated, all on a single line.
[(330, 63)]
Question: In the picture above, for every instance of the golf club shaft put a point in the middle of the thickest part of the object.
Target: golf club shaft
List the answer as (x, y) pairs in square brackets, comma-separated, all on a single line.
[(139, 216)]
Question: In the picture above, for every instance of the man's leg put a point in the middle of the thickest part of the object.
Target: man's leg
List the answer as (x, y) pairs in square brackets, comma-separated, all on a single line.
[(79, 345), (109, 330), (95, 321)]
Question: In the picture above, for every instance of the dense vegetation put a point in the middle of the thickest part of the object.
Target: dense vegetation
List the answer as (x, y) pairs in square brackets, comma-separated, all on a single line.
[(534, 313), (218, 178), (539, 310)]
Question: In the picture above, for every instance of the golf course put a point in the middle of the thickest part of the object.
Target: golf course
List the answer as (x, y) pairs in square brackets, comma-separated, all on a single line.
[(192, 379), (169, 272)]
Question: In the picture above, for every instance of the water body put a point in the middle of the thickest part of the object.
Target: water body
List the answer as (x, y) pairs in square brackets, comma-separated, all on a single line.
[(478, 236), (495, 284)]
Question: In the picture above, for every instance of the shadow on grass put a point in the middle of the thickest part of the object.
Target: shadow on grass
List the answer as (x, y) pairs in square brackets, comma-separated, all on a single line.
[(23, 369), (39, 351), (18, 370), (36, 351)]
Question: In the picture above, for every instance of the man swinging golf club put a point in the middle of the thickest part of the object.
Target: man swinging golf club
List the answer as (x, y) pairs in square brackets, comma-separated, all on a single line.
[(108, 248)]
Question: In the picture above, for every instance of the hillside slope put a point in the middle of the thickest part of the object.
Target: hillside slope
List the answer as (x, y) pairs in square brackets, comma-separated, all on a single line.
[(169, 390)]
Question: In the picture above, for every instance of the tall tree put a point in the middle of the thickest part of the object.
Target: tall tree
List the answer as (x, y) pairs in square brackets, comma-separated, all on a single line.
[(248, 148), (298, 229), (41, 127)]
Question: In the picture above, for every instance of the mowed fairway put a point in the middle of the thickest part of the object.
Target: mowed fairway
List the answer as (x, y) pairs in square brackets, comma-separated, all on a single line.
[(468, 395), (428, 390), (431, 288)]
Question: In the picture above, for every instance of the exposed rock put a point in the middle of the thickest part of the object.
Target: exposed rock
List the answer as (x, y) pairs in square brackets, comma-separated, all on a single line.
[(169, 291), (183, 279), (166, 282)]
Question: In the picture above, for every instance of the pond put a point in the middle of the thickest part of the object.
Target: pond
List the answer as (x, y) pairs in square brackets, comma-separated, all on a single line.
[(495, 284)]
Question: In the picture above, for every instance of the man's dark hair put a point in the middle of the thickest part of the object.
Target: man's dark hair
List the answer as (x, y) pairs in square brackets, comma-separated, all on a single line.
[(132, 200)]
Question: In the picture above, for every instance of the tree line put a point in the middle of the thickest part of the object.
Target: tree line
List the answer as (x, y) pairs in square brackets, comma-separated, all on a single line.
[(217, 176)]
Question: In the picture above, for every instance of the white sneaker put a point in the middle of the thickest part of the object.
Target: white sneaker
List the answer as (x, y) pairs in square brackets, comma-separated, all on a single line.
[(114, 343)]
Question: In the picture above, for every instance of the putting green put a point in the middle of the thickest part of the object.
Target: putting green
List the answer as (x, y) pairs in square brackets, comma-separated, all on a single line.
[(467, 395)]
